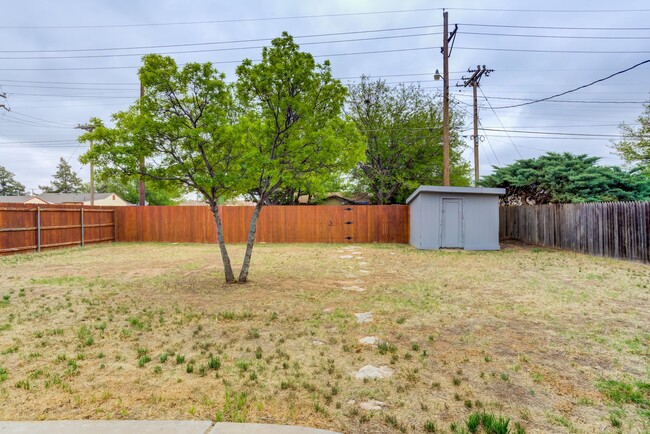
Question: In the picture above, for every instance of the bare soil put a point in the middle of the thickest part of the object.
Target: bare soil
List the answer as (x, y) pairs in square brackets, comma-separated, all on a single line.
[(150, 331)]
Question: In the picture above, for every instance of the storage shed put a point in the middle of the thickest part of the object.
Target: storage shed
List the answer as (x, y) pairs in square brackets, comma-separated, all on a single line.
[(455, 217)]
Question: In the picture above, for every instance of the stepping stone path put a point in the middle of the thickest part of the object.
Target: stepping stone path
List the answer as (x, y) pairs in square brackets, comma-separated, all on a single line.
[(363, 317), (369, 340), (374, 372), (372, 405), (353, 252)]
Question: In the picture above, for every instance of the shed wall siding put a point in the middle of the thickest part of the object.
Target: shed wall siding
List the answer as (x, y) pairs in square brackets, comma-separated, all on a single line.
[(480, 220)]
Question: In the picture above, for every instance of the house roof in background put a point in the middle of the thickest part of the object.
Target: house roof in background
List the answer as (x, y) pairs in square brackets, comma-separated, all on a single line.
[(16, 199), (72, 197)]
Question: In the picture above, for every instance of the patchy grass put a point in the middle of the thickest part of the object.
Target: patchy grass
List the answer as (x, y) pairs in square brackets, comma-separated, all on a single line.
[(520, 340)]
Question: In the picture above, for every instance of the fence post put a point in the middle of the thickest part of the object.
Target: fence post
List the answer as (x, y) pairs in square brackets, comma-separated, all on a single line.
[(82, 227), (38, 229)]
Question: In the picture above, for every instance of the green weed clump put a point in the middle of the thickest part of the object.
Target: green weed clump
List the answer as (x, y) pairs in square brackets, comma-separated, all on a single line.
[(490, 423), (85, 336), (626, 393), (235, 408)]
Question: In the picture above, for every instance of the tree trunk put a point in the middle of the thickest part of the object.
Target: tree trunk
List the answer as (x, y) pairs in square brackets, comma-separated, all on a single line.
[(243, 275), (227, 268)]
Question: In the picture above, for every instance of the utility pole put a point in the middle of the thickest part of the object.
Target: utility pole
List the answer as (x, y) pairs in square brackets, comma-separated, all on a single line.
[(446, 52), (141, 201), (90, 128), (474, 80)]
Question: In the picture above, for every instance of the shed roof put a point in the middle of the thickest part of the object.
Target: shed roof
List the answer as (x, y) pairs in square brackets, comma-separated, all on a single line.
[(455, 190)]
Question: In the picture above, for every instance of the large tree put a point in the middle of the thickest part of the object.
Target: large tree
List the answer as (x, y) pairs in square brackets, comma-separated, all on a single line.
[(293, 124), (65, 180), (566, 178), (634, 147), (8, 184), (284, 130), (403, 130), (183, 128)]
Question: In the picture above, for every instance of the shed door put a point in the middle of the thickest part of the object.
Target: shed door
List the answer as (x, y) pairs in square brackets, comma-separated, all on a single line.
[(452, 223)]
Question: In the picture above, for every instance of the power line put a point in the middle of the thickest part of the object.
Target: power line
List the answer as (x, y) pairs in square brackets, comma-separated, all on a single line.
[(554, 133), (557, 36), (211, 50), (511, 26), (234, 20), (94, 68), (501, 123), (530, 50), (566, 100), (580, 11), (577, 88), (194, 44)]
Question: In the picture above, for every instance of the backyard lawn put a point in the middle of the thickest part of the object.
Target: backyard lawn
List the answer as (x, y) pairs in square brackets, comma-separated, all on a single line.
[(555, 341)]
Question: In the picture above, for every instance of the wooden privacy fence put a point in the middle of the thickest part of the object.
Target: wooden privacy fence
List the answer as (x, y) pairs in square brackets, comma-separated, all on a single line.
[(26, 228), (613, 229), (277, 224)]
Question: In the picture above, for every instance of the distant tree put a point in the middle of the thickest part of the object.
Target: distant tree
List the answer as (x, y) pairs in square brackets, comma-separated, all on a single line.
[(294, 125), (403, 127), (8, 184), (65, 180), (566, 178), (634, 147), (156, 193)]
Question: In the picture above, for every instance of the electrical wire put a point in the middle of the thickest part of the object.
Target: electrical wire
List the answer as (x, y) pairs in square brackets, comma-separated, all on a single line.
[(223, 21), (499, 119), (210, 50), (577, 88), (512, 26), (195, 44)]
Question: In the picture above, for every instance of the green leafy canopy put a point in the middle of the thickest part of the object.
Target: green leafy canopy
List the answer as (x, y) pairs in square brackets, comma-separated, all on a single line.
[(566, 178)]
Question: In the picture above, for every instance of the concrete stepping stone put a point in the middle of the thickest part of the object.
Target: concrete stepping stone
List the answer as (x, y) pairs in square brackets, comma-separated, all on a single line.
[(373, 405), (354, 288), (369, 340), (374, 372), (346, 256), (363, 317)]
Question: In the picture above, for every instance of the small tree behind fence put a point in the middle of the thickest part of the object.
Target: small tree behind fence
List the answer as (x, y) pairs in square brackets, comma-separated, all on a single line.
[(612, 229)]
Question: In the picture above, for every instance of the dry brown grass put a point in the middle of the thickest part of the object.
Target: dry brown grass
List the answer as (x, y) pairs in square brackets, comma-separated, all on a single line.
[(525, 333)]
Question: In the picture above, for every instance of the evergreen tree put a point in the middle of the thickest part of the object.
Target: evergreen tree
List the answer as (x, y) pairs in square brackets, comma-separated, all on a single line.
[(566, 178), (65, 180), (8, 184)]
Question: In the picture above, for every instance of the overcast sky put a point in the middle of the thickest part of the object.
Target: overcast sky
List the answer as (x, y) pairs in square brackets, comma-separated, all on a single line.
[(63, 62)]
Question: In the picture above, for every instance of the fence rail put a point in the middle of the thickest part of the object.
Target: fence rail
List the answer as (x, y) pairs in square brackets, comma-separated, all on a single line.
[(614, 229), (26, 228), (277, 224)]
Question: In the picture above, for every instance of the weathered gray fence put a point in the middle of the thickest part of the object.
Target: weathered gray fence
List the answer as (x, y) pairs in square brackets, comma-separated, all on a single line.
[(614, 229)]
